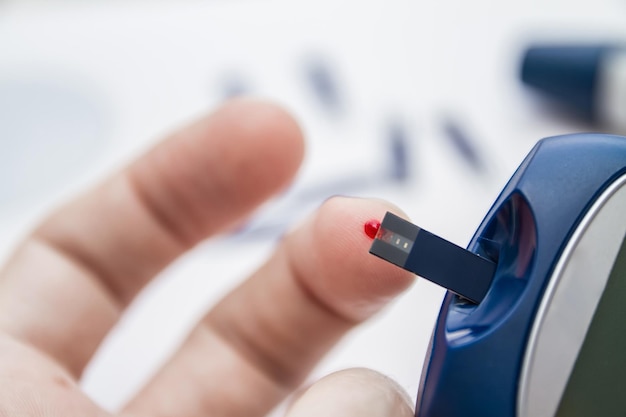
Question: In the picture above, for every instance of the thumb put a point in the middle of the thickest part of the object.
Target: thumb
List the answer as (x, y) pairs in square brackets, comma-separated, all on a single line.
[(353, 393)]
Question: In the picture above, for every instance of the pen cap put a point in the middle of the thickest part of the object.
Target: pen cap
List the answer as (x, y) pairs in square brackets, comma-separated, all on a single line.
[(568, 74)]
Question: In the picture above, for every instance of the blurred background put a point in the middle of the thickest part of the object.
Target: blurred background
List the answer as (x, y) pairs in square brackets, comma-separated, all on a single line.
[(420, 103)]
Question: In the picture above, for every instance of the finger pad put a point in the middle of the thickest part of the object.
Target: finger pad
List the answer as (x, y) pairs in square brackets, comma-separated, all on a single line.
[(347, 277)]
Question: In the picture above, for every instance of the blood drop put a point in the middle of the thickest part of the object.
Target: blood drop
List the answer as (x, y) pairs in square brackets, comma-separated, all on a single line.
[(371, 228)]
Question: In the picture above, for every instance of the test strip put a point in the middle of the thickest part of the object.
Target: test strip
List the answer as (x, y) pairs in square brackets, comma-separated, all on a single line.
[(410, 247)]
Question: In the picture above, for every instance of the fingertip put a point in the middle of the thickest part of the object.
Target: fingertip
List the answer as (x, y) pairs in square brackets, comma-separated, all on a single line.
[(264, 122), (214, 172), (257, 138), (335, 265), (353, 392)]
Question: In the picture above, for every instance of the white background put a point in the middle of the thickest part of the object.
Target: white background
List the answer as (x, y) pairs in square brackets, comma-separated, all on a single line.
[(86, 86)]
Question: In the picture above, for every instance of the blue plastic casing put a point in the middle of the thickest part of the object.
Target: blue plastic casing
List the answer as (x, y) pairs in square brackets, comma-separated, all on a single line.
[(476, 353)]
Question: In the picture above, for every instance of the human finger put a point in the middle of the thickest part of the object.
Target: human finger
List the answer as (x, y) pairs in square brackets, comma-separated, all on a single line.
[(353, 393), (68, 282), (262, 339)]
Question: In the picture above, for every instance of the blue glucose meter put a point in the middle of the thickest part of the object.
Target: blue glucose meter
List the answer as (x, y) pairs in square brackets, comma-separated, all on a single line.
[(548, 337)]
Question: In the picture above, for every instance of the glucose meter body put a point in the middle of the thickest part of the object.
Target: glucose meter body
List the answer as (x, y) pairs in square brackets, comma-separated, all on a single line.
[(549, 336)]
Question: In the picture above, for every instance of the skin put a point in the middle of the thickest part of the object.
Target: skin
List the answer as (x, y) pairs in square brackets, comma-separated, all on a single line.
[(69, 282)]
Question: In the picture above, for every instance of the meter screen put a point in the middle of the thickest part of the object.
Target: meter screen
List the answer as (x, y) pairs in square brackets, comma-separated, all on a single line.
[(596, 385)]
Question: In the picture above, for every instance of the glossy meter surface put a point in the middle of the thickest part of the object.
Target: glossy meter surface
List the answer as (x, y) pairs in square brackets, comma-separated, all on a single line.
[(549, 338)]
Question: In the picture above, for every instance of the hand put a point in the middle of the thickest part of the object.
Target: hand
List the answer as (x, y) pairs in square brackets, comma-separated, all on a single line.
[(70, 280)]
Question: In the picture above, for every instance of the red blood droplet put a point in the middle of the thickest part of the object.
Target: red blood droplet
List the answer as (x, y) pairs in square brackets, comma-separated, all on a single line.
[(371, 228)]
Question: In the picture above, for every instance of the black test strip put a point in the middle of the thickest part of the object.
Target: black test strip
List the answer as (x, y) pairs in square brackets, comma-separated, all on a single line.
[(408, 246)]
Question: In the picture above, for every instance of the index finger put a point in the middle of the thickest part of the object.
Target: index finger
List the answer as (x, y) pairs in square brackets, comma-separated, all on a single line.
[(68, 283)]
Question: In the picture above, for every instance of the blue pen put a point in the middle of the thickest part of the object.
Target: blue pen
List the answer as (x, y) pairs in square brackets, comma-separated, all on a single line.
[(320, 75), (397, 141), (588, 79), (463, 143)]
